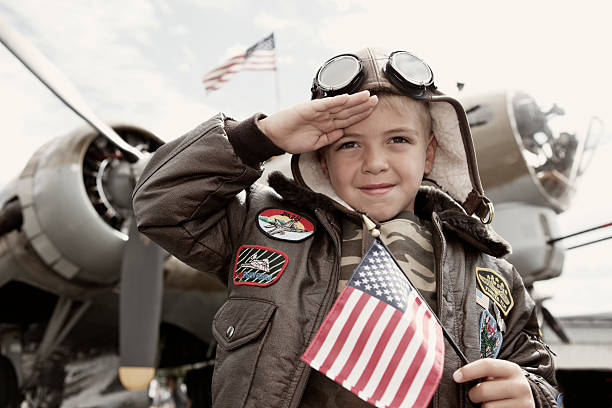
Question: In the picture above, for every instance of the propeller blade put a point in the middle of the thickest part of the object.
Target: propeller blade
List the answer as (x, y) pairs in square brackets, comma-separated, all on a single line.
[(53, 79), (555, 325), (140, 300)]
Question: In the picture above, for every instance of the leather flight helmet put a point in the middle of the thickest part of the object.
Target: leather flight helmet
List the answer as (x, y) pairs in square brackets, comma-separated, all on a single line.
[(455, 169)]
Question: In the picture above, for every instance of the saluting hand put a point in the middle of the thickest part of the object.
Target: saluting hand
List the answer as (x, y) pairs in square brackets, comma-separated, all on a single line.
[(503, 385), (311, 125)]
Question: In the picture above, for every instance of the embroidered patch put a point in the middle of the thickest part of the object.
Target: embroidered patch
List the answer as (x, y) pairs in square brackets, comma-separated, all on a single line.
[(496, 288), (499, 319), (482, 300), (490, 336), (284, 225), (259, 266)]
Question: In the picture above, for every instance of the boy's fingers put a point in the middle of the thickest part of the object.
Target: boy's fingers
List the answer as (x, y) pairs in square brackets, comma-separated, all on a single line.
[(327, 104), (486, 367), (329, 138), (357, 99), (343, 123), (347, 112), (491, 391), (507, 403)]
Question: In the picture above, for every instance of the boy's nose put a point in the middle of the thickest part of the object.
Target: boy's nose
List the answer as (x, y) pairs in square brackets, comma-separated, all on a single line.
[(374, 162)]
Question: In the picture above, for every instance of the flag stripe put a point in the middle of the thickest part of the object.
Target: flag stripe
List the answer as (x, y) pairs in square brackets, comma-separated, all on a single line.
[(421, 376), (361, 354), (224, 68), (355, 319), (410, 380), (371, 377), (259, 57), (410, 354), (406, 347), (330, 328), (354, 345), (379, 350), (432, 378)]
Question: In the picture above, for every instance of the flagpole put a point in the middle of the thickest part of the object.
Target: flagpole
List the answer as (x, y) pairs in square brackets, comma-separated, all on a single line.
[(276, 76), (277, 89)]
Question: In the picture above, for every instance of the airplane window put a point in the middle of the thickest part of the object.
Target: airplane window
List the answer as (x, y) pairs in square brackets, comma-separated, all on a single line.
[(550, 144)]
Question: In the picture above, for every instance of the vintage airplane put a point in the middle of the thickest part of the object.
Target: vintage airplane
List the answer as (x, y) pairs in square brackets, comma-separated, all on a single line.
[(78, 283)]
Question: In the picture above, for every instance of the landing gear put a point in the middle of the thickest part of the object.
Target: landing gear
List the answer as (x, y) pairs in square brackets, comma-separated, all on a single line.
[(9, 388)]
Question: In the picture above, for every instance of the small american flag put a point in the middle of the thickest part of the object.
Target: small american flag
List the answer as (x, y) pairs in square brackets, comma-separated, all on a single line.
[(259, 57), (380, 340)]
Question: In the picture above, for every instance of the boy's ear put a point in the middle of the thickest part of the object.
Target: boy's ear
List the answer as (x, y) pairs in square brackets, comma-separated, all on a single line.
[(322, 161), (430, 154)]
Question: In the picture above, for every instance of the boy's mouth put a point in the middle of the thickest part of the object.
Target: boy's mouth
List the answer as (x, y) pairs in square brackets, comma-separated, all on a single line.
[(374, 189)]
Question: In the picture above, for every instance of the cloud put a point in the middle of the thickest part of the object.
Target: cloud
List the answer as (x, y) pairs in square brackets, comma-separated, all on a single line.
[(108, 62), (267, 20), (509, 44)]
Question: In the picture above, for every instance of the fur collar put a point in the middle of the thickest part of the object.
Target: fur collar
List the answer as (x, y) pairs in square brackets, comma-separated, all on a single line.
[(429, 200)]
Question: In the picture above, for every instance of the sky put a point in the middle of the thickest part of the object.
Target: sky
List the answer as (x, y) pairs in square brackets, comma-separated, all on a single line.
[(141, 62)]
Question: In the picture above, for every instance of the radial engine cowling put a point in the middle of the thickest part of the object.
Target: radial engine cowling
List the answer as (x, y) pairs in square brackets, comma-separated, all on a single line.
[(525, 153), (75, 196)]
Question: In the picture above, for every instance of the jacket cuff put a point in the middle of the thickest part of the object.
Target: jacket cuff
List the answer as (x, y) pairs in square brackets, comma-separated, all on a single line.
[(544, 395), (249, 142)]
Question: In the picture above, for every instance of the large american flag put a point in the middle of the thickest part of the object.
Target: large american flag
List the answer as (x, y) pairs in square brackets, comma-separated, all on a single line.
[(259, 57), (380, 340)]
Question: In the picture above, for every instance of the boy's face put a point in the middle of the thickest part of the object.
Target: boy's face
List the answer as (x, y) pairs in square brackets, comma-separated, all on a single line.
[(378, 165)]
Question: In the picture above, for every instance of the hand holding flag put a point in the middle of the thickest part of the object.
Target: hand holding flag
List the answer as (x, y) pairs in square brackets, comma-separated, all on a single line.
[(380, 340)]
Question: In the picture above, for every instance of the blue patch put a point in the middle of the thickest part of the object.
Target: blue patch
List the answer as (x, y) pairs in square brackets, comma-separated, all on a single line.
[(560, 400), (490, 336)]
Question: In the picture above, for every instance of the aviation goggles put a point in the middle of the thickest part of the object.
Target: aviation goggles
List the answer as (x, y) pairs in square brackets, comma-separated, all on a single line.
[(345, 73)]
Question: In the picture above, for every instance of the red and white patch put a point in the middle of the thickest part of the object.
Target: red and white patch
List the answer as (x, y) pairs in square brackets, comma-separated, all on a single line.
[(285, 225)]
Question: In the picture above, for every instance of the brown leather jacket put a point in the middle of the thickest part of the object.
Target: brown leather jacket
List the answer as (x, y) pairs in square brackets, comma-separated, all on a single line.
[(197, 199)]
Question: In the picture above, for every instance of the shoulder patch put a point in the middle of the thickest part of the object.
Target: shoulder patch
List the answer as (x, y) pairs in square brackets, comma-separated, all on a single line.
[(490, 336), (496, 288), (259, 266), (285, 225)]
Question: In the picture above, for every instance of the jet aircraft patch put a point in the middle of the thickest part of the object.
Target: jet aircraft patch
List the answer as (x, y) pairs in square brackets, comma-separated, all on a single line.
[(490, 336), (284, 225), (259, 266), (496, 288)]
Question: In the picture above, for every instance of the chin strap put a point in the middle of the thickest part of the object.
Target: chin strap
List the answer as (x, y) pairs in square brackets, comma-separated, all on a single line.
[(477, 203)]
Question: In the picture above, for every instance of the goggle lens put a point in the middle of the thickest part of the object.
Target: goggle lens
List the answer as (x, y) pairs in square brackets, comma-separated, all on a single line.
[(338, 72), (411, 68)]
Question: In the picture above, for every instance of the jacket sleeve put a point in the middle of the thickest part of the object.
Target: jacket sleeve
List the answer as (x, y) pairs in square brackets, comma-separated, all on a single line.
[(523, 345), (190, 197)]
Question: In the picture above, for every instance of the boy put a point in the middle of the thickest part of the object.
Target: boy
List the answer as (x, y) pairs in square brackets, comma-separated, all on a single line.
[(286, 250)]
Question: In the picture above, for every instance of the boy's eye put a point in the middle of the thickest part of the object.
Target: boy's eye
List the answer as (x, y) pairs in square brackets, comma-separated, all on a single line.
[(347, 145), (399, 139)]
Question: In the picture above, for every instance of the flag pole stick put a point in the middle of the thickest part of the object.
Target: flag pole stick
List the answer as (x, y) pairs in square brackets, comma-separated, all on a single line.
[(277, 88), (444, 332)]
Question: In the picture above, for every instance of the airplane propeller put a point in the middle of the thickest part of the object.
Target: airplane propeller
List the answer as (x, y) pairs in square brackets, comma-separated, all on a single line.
[(142, 264), (140, 298), (57, 83)]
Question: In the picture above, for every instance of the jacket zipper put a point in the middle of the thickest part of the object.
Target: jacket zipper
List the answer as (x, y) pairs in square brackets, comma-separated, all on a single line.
[(439, 280), (327, 303)]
